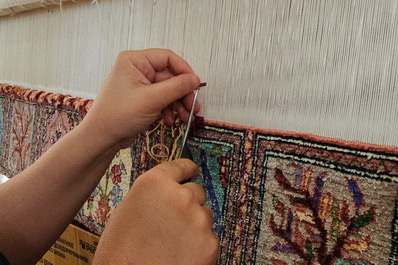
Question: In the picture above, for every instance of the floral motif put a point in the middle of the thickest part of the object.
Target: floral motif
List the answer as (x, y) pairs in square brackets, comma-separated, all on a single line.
[(327, 226), (103, 212), (116, 195), (117, 171), (20, 138), (109, 192)]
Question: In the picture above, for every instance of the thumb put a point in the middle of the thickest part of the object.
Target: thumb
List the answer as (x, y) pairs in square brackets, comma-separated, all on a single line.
[(177, 170), (173, 89)]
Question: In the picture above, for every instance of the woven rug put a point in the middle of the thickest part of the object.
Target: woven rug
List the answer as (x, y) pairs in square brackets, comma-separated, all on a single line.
[(277, 197)]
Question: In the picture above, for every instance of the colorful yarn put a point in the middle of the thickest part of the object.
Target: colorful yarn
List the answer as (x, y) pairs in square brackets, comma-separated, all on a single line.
[(276, 197)]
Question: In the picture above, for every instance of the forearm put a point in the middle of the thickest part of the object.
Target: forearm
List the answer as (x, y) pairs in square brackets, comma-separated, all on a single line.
[(39, 202), (43, 199)]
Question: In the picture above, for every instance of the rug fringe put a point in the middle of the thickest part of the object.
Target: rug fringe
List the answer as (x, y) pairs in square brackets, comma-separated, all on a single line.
[(46, 98)]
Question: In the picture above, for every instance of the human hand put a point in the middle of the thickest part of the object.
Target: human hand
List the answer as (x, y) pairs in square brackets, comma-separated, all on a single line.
[(161, 221), (142, 87)]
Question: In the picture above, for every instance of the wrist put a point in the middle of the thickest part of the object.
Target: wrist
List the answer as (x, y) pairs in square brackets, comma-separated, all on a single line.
[(95, 138)]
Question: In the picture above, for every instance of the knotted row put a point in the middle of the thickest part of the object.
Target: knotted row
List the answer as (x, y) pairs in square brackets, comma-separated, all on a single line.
[(46, 98)]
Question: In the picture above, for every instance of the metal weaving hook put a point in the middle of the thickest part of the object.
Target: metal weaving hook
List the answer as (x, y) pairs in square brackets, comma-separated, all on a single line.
[(185, 153)]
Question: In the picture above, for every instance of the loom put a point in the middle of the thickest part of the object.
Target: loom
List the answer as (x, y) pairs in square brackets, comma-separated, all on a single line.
[(320, 67)]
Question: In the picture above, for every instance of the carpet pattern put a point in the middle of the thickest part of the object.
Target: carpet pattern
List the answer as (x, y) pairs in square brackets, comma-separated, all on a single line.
[(277, 197)]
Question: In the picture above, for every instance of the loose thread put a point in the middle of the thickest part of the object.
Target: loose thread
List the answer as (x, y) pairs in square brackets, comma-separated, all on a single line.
[(99, 11), (175, 150), (147, 140), (166, 153)]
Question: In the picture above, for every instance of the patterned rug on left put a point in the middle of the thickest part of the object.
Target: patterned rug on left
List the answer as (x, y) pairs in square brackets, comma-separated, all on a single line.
[(277, 197)]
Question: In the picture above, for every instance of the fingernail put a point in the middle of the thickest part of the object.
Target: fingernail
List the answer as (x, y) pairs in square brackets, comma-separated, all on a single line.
[(202, 84)]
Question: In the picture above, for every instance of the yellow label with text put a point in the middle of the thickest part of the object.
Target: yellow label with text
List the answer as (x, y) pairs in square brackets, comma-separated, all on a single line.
[(74, 247)]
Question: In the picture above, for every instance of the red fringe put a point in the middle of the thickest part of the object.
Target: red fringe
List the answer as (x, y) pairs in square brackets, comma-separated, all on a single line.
[(46, 98)]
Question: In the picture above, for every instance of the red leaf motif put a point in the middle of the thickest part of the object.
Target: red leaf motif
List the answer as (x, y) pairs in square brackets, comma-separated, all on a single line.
[(282, 180)]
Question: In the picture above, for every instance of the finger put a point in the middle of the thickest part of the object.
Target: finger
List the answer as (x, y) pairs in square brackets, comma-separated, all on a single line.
[(172, 89), (144, 64), (176, 105), (209, 214), (178, 170), (182, 113), (200, 194), (135, 65), (168, 116), (187, 101), (162, 59), (163, 75)]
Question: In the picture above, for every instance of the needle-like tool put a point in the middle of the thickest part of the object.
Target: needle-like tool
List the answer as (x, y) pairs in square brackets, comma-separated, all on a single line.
[(185, 153)]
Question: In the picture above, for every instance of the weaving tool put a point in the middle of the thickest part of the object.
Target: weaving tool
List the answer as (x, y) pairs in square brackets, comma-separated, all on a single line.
[(185, 152)]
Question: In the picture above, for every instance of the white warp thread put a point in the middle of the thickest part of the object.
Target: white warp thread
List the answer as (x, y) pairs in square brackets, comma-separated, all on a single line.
[(326, 67), (12, 7)]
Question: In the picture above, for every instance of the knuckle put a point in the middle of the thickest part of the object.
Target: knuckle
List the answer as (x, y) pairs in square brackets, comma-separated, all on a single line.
[(157, 176), (204, 219), (183, 200), (123, 54), (168, 51), (142, 183), (186, 196), (123, 57), (185, 166), (178, 165), (201, 190), (188, 164), (150, 180), (161, 50), (213, 249), (158, 172)]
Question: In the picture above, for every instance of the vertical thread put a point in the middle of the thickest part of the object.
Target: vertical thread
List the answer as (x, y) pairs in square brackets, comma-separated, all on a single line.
[(324, 67)]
